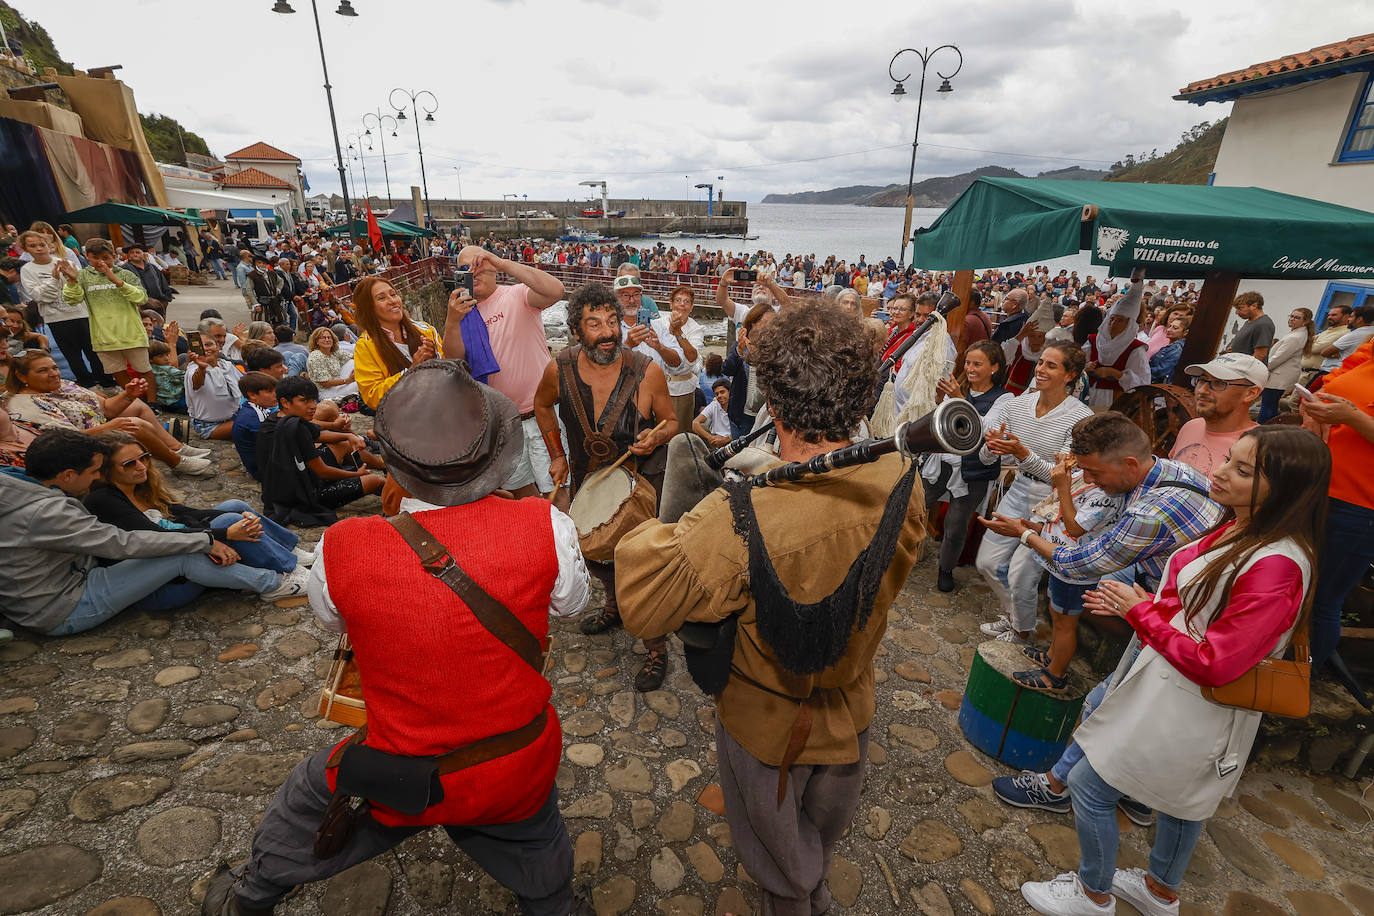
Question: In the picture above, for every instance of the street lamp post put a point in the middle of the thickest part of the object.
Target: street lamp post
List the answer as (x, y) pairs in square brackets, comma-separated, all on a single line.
[(899, 93), (355, 145), (381, 120), (415, 112), (345, 9)]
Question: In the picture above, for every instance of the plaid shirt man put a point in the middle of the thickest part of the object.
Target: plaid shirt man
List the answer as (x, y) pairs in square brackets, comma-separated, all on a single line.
[(1167, 510)]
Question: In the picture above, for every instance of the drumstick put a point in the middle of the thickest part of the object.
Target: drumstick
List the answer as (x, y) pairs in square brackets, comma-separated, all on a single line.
[(621, 460)]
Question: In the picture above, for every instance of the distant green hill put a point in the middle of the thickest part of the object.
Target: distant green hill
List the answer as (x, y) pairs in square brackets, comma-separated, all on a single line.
[(161, 131), (1188, 163), (38, 46)]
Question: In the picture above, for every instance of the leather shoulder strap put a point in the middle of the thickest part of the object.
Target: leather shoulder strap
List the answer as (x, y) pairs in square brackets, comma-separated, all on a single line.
[(632, 371), (567, 384), (490, 613)]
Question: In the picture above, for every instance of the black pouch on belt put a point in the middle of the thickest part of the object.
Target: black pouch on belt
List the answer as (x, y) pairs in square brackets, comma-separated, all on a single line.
[(405, 784)]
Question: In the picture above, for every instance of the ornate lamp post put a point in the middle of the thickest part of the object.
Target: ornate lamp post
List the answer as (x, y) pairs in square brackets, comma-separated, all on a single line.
[(345, 9), (898, 93), (355, 148), (380, 120), (415, 113)]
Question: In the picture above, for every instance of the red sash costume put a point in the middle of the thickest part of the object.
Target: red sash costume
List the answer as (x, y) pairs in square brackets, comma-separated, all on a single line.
[(1109, 384), (434, 678), (894, 341)]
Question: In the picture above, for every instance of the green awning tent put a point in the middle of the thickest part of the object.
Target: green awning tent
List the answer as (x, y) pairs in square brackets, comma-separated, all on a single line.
[(1172, 231), (389, 229), (129, 215), (419, 230), (193, 219)]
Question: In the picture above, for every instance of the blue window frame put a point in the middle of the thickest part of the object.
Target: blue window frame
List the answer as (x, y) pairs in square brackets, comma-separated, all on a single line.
[(1351, 295), (1359, 141)]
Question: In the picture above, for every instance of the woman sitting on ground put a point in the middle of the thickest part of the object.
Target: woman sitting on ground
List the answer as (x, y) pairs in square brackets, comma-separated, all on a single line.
[(390, 343), (134, 498), (331, 369), (1227, 601), (18, 323), (38, 395)]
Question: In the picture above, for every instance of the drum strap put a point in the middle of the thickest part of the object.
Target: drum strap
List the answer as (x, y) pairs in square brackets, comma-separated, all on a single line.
[(490, 613), (599, 439)]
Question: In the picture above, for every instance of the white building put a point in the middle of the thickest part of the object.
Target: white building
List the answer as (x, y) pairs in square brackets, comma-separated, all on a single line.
[(267, 172), (1302, 125)]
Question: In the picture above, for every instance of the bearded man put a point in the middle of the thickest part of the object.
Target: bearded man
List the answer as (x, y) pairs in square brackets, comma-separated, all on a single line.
[(627, 394)]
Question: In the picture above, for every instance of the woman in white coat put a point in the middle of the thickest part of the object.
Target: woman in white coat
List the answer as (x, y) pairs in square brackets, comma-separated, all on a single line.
[(1285, 361), (1226, 601)]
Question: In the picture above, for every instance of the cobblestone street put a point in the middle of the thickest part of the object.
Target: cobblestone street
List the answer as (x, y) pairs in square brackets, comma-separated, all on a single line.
[(136, 757)]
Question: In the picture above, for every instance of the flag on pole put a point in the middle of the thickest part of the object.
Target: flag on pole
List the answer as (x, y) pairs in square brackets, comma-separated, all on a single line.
[(374, 232)]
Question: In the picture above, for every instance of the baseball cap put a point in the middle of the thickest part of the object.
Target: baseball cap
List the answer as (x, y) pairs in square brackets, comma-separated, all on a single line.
[(1233, 367), (625, 281)]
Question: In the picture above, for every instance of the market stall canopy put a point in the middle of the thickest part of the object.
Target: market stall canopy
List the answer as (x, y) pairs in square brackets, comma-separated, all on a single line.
[(191, 218), (418, 230), (1175, 231), (389, 229), (128, 214)]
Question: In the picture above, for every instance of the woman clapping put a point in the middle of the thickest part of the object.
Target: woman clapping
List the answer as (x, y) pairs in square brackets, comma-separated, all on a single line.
[(1227, 600)]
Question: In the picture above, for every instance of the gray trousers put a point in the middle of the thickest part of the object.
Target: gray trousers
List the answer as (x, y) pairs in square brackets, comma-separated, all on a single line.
[(787, 848), (533, 857), (960, 513)]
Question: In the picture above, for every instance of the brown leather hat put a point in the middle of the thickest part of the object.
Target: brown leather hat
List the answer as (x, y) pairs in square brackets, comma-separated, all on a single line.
[(448, 439)]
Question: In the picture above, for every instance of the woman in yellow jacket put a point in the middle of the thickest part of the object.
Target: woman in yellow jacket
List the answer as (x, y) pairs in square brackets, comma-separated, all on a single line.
[(390, 343)]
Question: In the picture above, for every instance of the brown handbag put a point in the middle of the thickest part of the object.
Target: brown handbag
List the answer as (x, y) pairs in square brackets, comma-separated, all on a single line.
[(1274, 686)]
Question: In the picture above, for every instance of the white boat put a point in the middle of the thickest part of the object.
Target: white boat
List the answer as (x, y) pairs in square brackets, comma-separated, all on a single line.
[(670, 235)]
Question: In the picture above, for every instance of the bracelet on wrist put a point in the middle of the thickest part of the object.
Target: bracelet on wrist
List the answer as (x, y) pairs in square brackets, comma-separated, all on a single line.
[(1025, 535)]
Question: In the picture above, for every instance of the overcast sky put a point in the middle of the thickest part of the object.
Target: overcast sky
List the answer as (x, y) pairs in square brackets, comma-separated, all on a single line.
[(537, 95)]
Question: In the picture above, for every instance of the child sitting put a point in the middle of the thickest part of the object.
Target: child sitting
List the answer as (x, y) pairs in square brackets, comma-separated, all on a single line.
[(307, 472), (1077, 512), (713, 424), (260, 400), (168, 378)]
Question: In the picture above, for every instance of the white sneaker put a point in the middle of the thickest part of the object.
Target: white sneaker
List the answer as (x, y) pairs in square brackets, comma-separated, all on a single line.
[(187, 451), (195, 467), (1013, 637), (304, 557), (1064, 896), (292, 585), (1129, 884), (996, 627)]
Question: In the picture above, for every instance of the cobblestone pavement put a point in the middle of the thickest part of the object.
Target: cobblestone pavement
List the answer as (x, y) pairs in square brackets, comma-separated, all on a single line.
[(134, 758)]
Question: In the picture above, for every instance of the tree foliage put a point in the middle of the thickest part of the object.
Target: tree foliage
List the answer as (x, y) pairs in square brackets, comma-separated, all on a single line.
[(1190, 162), (38, 47), (161, 132)]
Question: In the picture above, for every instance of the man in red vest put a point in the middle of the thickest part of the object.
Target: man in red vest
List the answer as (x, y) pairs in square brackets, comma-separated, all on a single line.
[(460, 731)]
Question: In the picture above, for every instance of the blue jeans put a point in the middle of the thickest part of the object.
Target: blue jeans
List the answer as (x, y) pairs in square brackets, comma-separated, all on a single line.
[(1094, 814), (271, 551), (1073, 753), (1269, 404), (217, 265), (111, 589), (1345, 556)]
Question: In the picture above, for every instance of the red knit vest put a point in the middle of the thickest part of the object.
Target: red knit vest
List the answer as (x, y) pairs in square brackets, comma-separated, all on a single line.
[(1111, 384), (435, 679)]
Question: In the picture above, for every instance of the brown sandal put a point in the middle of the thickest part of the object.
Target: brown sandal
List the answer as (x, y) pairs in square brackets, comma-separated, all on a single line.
[(650, 677)]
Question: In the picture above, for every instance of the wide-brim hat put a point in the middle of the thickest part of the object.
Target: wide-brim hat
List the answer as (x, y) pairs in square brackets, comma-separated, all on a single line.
[(448, 439)]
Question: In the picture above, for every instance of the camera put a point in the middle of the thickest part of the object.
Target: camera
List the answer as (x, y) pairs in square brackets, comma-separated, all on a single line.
[(193, 339), (460, 279), (746, 276)]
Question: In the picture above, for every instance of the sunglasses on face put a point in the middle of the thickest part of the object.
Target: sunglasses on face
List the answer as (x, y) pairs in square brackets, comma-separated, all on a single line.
[(137, 459)]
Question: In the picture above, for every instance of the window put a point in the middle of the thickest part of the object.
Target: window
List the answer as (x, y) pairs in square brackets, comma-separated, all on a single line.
[(1359, 142), (1349, 295)]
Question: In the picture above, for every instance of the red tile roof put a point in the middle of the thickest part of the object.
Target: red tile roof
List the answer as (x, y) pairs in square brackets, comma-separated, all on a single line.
[(253, 178), (261, 150), (1357, 46)]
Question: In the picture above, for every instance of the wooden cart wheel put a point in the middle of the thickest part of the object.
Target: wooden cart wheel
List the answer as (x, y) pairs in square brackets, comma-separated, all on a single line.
[(1160, 410)]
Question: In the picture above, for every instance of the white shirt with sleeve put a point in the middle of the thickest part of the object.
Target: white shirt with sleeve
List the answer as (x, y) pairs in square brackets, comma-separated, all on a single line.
[(682, 378), (42, 287), (570, 588), (715, 419), (217, 399)]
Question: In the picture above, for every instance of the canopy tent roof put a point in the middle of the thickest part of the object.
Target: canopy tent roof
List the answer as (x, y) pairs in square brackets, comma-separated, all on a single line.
[(206, 199), (418, 230), (192, 218), (1176, 231), (128, 214), (389, 229)]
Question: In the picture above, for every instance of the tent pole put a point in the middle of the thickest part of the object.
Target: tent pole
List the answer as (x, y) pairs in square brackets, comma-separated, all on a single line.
[(116, 234), (1209, 320)]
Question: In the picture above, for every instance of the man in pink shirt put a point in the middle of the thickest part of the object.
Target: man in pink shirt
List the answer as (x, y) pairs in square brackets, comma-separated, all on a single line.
[(1223, 389), (516, 330)]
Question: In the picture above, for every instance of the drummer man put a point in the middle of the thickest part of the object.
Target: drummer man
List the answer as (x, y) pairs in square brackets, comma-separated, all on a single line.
[(436, 680), (607, 377), (792, 721)]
